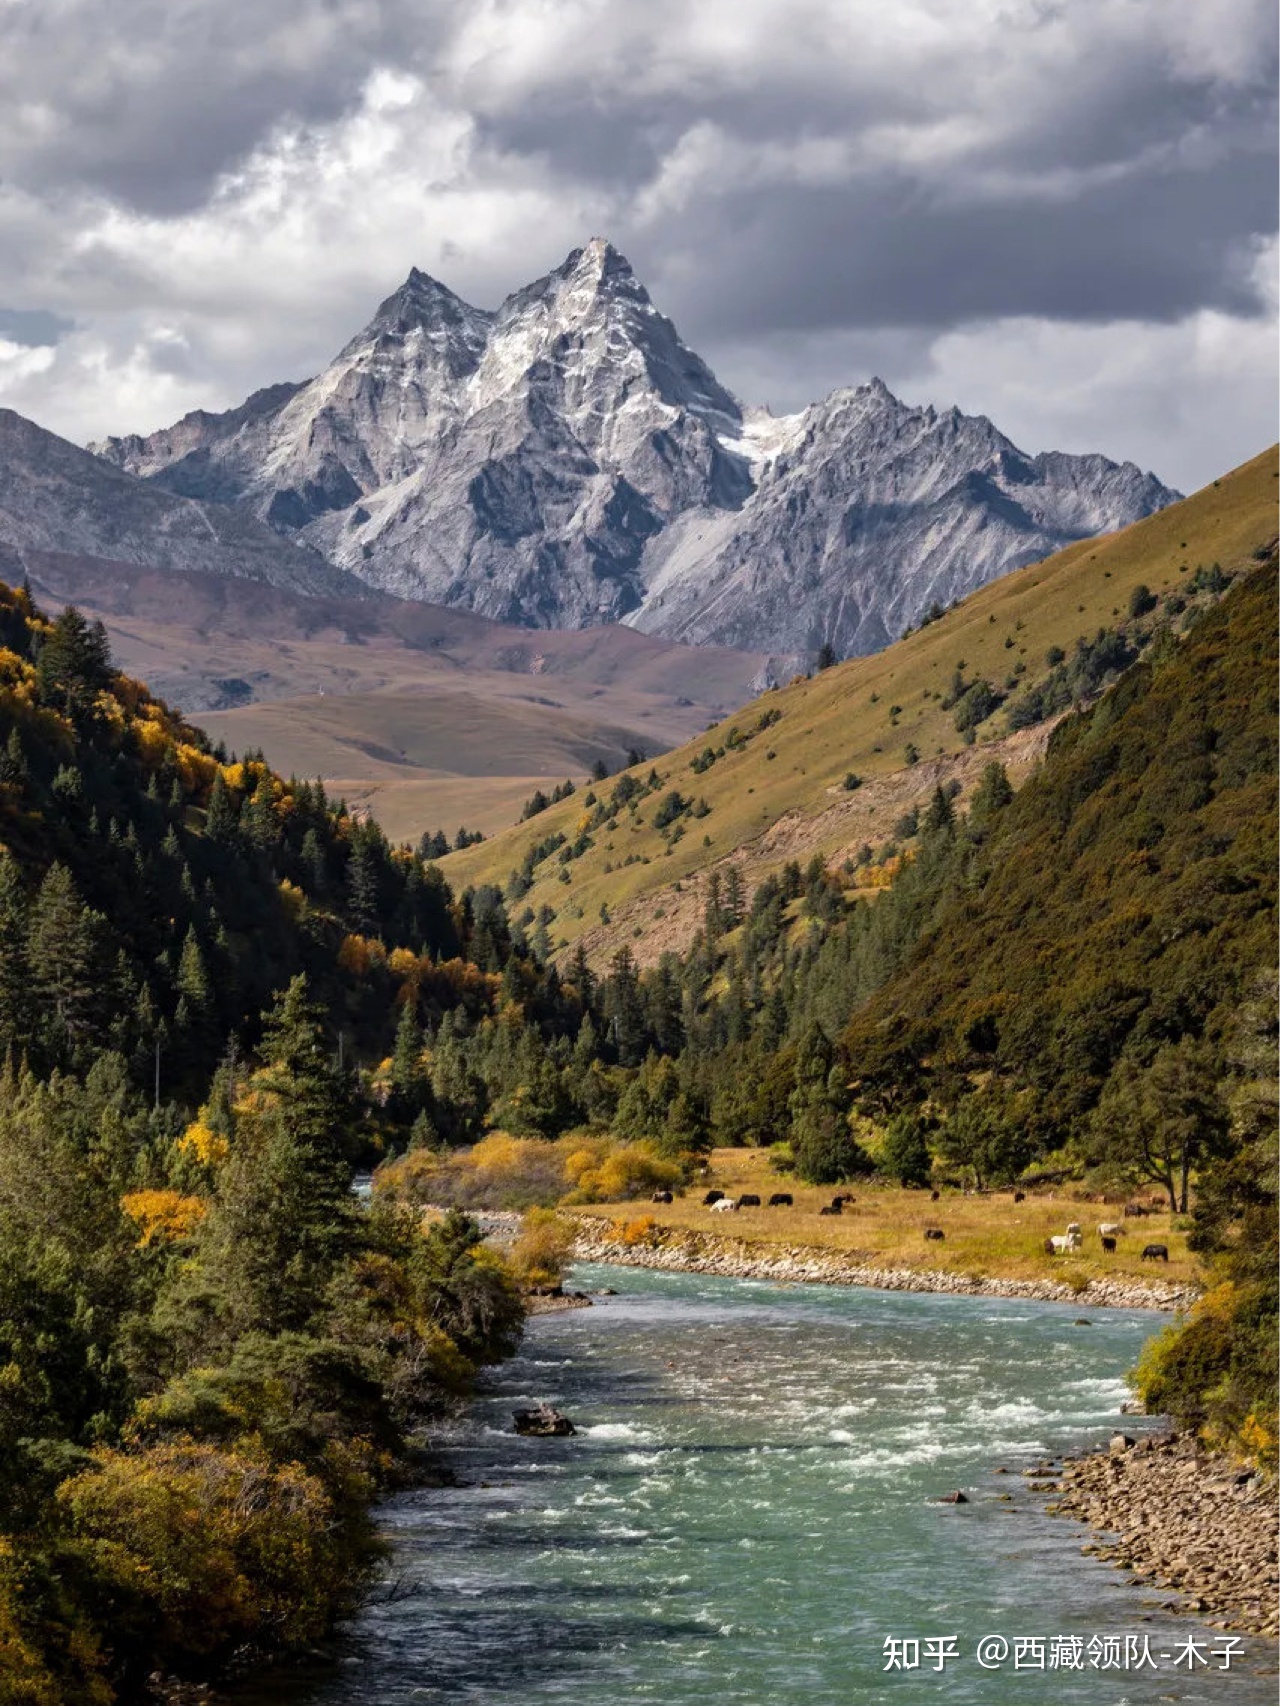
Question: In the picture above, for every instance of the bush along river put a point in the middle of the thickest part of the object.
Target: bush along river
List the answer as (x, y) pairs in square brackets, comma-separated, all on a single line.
[(747, 1516)]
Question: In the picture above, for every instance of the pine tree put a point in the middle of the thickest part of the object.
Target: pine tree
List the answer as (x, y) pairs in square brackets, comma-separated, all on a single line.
[(221, 815), (991, 796), (64, 955), (193, 977), (364, 883), (13, 765), (940, 816), (74, 665), (823, 1147), (733, 901), (409, 1083), (14, 997), (315, 870), (258, 820), (284, 1217), (624, 1009)]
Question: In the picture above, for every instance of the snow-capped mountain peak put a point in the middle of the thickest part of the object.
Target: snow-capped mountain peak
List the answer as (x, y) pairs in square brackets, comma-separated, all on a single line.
[(567, 459)]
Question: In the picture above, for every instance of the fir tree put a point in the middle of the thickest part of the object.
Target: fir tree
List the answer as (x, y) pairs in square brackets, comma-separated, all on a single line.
[(64, 955), (74, 665), (13, 763), (823, 1147), (221, 816), (409, 1082)]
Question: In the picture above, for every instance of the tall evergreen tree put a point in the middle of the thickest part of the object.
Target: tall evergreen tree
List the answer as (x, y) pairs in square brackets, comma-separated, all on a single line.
[(64, 957), (823, 1146)]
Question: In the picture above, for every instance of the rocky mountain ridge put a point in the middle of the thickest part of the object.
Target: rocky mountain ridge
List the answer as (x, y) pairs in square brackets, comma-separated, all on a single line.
[(55, 497), (567, 460)]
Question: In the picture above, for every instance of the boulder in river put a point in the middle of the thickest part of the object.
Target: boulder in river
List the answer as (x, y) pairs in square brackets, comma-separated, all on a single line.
[(543, 1423), (954, 1499)]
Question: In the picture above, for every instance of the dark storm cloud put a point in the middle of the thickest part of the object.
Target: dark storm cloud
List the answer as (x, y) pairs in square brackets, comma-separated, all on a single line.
[(34, 328), (217, 192), (894, 253), (1129, 192), (147, 101)]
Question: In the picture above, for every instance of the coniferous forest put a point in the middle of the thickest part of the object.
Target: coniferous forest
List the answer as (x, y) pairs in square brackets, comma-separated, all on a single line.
[(222, 995)]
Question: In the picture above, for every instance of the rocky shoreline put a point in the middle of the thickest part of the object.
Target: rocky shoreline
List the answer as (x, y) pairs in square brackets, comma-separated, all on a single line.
[(704, 1253), (1182, 1520)]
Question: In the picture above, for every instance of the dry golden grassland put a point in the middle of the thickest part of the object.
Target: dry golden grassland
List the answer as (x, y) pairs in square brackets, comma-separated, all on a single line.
[(989, 1236)]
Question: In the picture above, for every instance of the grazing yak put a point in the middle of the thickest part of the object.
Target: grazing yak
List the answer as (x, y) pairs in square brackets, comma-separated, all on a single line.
[(934, 1232), (1108, 1246), (1063, 1245), (1156, 1253), (1135, 1210), (1019, 1196), (781, 1199), (724, 1205), (748, 1201), (1110, 1229), (712, 1197), (662, 1196), (829, 1208)]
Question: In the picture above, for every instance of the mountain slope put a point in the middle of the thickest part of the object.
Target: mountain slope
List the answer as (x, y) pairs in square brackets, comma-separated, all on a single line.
[(776, 789), (57, 497), (430, 717), (568, 460), (1131, 889)]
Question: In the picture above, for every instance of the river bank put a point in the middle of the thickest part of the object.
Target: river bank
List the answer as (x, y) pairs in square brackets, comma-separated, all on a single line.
[(733, 1258), (1182, 1520)]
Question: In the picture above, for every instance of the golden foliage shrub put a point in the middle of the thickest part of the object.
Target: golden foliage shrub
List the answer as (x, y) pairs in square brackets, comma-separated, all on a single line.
[(207, 1549), (359, 955), (294, 901), (543, 1250), (642, 1231), (626, 1170), (163, 1217), (506, 1172), (25, 1678)]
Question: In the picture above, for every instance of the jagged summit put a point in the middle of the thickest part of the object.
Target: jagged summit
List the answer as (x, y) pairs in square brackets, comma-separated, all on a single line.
[(423, 307), (566, 459), (598, 259)]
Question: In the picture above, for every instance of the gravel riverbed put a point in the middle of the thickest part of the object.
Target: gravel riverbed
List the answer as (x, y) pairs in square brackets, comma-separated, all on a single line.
[(1184, 1520), (704, 1253)]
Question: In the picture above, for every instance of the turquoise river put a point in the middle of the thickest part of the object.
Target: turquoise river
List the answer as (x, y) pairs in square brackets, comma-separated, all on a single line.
[(747, 1515)]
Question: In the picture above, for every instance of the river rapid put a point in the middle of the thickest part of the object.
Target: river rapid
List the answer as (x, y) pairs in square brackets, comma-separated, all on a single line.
[(746, 1515)]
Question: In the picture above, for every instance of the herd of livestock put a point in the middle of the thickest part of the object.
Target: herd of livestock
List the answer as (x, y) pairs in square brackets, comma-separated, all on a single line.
[(1065, 1244)]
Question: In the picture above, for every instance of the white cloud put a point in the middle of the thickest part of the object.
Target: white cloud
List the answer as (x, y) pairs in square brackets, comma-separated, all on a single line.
[(1028, 208)]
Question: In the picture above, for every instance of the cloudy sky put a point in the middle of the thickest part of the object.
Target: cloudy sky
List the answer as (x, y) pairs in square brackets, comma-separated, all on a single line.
[(1061, 213)]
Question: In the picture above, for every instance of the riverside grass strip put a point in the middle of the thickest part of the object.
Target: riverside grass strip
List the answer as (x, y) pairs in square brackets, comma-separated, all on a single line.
[(987, 1235)]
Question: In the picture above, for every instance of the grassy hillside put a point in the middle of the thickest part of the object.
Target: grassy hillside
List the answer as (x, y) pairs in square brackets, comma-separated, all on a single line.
[(778, 790)]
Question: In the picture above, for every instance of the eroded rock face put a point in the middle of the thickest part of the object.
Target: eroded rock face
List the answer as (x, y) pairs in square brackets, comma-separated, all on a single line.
[(567, 460)]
